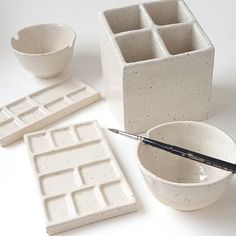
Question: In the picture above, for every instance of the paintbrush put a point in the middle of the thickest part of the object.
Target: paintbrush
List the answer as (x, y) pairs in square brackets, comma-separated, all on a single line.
[(182, 152)]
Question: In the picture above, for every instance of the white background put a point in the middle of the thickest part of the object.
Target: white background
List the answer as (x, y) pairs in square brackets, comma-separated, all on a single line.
[(20, 209)]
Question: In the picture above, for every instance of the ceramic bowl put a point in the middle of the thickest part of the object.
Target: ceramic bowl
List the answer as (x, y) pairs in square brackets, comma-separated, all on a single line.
[(181, 183), (44, 50)]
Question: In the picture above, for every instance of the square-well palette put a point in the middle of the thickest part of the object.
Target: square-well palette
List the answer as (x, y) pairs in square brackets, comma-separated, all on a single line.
[(43, 107), (79, 178)]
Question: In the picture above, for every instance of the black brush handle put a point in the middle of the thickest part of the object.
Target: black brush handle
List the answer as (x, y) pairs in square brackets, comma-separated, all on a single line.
[(192, 155)]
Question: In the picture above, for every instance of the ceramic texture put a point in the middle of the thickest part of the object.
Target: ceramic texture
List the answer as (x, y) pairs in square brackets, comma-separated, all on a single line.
[(42, 108), (79, 178), (181, 183), (157, 64), (44, 50)]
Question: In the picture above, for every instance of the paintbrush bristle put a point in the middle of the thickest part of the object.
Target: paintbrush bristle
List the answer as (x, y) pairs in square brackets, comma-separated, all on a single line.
[(114, 131)]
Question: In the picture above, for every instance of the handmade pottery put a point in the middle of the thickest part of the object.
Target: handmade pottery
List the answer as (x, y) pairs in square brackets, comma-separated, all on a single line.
[(44, 50), (79, 178), (157, 64), (182, 183), (42, 108)]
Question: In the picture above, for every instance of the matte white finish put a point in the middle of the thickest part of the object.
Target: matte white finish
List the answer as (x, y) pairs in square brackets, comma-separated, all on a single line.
[(79, 178), (157, 64), (44, 50), (181, 183), (42, 108)]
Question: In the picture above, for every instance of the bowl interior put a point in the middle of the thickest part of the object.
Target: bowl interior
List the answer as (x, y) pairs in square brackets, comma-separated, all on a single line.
[(195, 136), (41, 39)]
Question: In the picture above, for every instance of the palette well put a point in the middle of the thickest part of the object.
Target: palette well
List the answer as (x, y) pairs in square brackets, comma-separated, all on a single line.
[(42, 108), (79, 178)]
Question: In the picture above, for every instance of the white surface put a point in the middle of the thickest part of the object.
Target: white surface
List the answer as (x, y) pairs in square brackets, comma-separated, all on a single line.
[(79, 178), (155, 73), (21, 212)]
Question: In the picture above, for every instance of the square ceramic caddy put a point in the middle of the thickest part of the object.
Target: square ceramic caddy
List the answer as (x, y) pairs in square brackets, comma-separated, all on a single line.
[(79, 178), (157, 64), (42, 108)]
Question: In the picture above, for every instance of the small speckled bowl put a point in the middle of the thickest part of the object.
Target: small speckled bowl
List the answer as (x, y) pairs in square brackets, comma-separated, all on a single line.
[(44, 50), (181, 183)]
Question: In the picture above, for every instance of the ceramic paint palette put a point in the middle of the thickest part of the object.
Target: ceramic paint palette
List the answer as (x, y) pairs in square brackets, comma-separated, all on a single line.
[(41, 108), (79, 178)]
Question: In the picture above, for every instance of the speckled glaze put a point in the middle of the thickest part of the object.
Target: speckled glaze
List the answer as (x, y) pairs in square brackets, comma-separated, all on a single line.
[(157, 64), (181, 183), (44, 50), (79, 179)]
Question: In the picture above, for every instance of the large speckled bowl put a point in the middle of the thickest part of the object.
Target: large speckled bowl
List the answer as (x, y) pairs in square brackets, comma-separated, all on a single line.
[(181, 183), (44, 50)]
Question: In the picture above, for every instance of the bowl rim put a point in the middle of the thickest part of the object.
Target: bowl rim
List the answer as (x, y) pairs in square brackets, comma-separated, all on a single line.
[(40, 25), (150, 174)]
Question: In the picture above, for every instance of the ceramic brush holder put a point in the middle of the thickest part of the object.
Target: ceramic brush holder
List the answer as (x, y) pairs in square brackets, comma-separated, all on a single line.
[(157, 64)]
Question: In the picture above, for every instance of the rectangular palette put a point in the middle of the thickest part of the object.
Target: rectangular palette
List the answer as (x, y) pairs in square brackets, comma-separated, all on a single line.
[(79, 178), (42, 108)]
